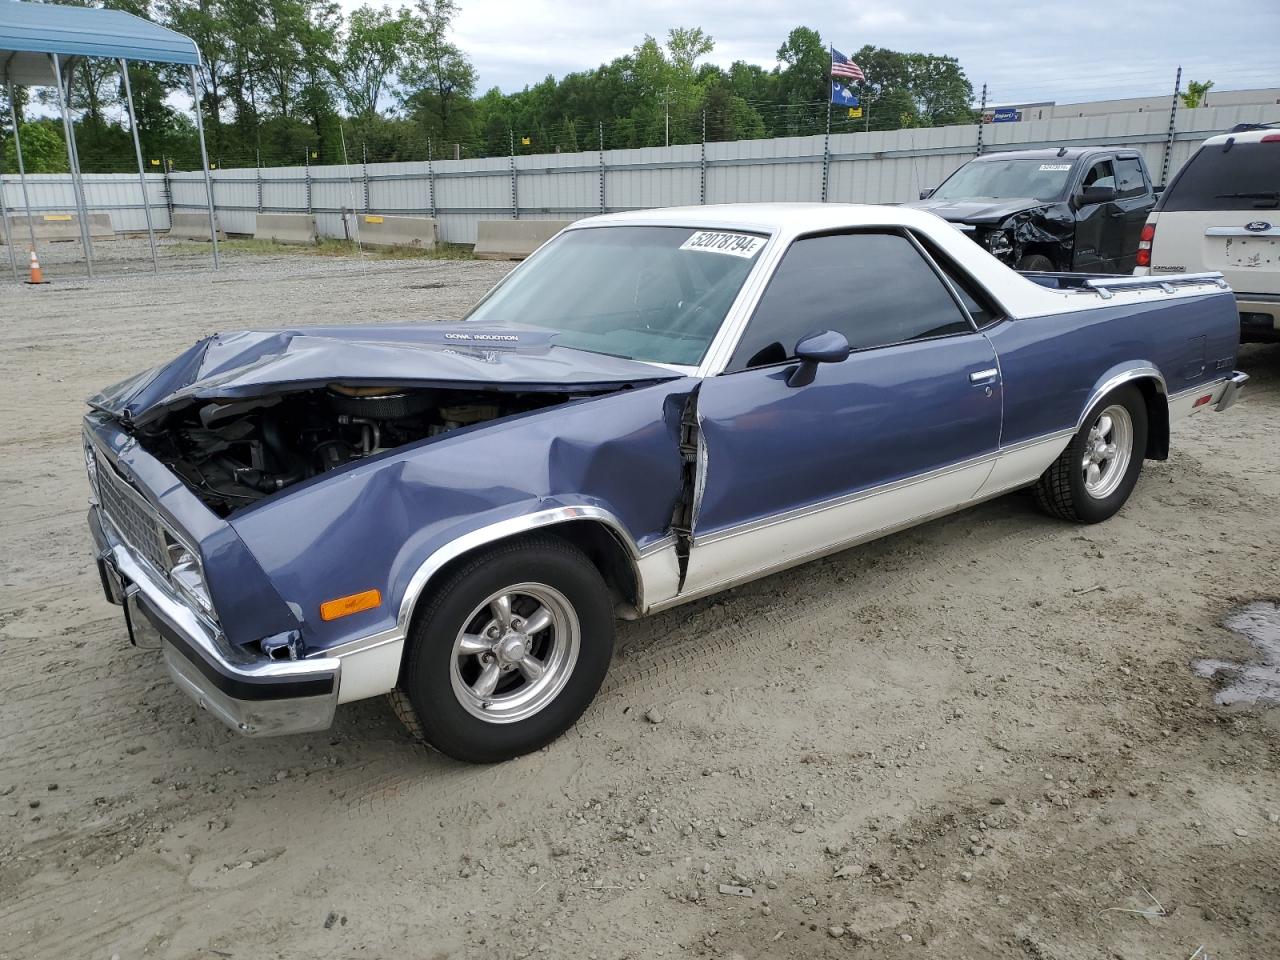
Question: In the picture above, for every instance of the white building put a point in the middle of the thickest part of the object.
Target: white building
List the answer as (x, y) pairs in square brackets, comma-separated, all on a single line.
[(1049, 110)]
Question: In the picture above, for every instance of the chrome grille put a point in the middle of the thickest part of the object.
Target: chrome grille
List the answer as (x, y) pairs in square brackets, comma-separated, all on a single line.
[(132, 517)]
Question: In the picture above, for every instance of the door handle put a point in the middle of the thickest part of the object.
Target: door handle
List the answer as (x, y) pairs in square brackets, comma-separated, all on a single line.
[(979, 375)]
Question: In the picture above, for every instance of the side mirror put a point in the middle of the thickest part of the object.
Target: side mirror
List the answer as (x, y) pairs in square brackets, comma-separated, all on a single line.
[(824, 347), (927, 193), (1092, 195)]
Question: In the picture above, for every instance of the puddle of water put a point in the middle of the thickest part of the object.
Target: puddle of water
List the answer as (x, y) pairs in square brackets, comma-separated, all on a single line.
[(1257, 682)]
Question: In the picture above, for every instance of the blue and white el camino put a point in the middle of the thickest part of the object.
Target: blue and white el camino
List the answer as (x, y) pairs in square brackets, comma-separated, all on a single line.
[(654, 407)]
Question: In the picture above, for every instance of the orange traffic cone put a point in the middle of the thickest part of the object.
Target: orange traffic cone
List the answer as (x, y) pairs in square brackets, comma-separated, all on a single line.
[(37, 275)]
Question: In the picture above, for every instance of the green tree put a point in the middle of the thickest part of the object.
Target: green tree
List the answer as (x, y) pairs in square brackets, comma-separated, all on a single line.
[(43, 148), (438, 75), (373, 52), (1196, 93), (805, 74), (204, 21), (913, 89)]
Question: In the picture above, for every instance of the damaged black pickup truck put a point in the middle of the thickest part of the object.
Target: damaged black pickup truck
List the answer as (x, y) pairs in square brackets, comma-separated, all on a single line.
[(1065, 209)]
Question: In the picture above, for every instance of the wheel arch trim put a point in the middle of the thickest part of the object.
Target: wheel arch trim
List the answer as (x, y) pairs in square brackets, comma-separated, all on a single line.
[(506, 530), (1118, 376)]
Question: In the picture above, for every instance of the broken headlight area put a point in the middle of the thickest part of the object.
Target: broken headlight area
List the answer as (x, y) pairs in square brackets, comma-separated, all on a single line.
[(187, 576), (234, 453), (998, 243), (91, 468)]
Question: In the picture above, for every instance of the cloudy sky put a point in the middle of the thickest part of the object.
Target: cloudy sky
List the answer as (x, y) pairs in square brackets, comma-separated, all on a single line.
[(1063, 50)]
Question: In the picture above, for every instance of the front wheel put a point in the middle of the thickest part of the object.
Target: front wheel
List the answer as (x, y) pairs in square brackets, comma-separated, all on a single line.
[(1036, 263), (1094, 476), (507, 651)]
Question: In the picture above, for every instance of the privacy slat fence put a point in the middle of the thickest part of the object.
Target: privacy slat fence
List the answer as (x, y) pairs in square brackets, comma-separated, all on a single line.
[(876, 167)]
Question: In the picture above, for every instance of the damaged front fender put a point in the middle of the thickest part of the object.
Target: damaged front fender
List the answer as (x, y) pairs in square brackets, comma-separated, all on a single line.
[(375, 525), (1048, 230)]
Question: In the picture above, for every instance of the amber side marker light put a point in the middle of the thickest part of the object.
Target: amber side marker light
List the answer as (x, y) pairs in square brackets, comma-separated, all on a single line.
[(345, 606)]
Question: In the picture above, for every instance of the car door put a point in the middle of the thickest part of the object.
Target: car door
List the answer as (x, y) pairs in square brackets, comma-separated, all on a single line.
[(907, 426), (1133, 202), (1093, 221)]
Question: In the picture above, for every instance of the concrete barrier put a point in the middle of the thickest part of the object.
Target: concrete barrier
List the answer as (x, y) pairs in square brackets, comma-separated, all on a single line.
[(513, 239), (56, 227), (380, 231), (285, 227), (191, 226)]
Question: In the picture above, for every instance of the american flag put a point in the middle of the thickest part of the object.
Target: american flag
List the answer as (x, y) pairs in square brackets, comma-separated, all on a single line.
[(842, 66)]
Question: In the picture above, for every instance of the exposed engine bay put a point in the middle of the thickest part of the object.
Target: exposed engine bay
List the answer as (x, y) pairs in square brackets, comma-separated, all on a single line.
[(235, 453)]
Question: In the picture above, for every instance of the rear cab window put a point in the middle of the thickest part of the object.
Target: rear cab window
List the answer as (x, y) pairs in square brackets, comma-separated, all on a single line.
[(968, 291), (1244, 177)]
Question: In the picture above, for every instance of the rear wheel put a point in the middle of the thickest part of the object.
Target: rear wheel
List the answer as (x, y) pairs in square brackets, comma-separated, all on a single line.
[(1093, 478), (507, 651), (1036, 262)]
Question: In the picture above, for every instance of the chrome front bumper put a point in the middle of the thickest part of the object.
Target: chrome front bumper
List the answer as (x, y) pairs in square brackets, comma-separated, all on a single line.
[(1229, 396), (255, 696)]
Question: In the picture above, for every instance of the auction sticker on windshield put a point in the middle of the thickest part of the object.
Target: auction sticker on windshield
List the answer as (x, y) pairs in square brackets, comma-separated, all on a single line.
[(734, 244), (1055, 166)]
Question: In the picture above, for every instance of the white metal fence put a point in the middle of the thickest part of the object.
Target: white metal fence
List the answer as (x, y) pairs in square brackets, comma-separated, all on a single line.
[(875, 167)]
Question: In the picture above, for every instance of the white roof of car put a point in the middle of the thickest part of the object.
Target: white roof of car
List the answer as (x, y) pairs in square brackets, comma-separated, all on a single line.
[(783, 222), (775, 218), (1244, 136)]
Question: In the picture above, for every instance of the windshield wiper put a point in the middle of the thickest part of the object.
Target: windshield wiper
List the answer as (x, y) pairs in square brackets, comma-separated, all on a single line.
[(1261, 195)]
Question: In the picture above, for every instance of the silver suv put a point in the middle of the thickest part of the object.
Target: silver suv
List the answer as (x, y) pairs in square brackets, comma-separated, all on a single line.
[(1222, 212)]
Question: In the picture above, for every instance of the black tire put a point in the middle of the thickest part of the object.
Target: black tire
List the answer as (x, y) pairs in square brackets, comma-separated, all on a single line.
[(1062, 490), (425, 698), (1037, 263)]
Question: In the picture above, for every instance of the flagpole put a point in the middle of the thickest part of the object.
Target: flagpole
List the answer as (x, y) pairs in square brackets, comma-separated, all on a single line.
[(826, 141)]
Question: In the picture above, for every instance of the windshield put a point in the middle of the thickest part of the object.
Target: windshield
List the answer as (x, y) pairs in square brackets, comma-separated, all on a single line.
[(1041, 179), (657, 294)]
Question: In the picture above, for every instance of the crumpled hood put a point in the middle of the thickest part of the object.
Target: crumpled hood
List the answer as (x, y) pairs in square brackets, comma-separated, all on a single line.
[(980, 211), (248, 364)]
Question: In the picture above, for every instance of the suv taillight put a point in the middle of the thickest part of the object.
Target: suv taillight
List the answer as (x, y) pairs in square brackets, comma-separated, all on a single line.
[(1271, 138), (1144, 244)]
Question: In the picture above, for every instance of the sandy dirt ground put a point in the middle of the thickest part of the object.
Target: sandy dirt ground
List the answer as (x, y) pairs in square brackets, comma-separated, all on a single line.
[(979, 738)]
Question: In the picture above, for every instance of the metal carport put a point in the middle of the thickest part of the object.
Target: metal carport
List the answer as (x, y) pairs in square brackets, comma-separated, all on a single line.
[(39, 46)]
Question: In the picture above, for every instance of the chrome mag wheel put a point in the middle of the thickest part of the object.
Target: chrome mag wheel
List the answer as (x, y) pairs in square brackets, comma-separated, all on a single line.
[(515, 652), (1108, 451)]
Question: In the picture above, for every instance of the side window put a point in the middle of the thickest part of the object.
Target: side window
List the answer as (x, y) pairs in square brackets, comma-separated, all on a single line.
[(1129, 179), (874, 288), (1099, 175)]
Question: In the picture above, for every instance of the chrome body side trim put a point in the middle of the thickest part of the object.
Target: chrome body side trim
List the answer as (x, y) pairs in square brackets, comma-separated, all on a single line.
[(774, 537), (1022, 463), (726, 558), (800, 512)]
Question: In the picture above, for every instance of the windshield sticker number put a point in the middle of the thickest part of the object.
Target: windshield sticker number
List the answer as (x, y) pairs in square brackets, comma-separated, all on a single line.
[(1055, 166), (734, 244)]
